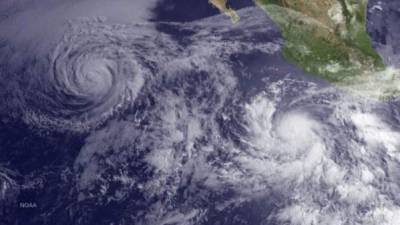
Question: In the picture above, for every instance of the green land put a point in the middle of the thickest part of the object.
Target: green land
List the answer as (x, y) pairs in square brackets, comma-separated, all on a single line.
[(326, 38)]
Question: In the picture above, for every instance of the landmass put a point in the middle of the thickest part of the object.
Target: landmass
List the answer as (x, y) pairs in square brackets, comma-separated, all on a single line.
[(221, 5), (326, 38)]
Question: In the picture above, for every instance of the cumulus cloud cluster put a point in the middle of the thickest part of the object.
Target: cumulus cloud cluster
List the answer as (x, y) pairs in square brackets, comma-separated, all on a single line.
[(338, 170), (328, 161)]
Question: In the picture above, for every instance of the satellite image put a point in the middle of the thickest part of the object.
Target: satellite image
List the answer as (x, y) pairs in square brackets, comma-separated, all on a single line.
[(199, 112)]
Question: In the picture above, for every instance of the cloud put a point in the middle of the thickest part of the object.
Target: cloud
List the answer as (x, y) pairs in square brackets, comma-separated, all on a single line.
[(31, 23), (324, 169)]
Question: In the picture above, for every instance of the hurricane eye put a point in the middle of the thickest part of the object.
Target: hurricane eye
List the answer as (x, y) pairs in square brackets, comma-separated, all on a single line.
[(96, 77)]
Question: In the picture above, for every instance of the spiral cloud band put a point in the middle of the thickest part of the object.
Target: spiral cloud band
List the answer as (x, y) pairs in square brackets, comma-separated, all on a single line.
[(93, 73)]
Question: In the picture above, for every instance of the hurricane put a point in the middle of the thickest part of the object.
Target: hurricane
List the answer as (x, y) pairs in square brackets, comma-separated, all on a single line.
[(93, 73)]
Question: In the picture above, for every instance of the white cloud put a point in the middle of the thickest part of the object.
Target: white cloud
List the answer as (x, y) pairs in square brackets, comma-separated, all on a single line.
[(38, 24), (325, 170), (377, 134)]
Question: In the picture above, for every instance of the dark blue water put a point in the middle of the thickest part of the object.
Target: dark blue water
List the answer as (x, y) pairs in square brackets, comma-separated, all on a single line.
[(190, 10)]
